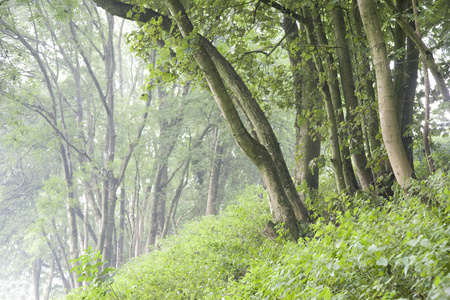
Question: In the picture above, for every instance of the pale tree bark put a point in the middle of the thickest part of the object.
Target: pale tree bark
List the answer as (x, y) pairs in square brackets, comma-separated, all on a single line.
[(48, 288), (158, 206), (37, 267), (356, 141), (174, 203), (386, 98), (56, 260), (120, 242), (216, 163)]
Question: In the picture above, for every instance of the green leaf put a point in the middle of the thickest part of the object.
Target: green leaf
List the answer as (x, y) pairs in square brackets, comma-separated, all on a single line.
[(382, 261)]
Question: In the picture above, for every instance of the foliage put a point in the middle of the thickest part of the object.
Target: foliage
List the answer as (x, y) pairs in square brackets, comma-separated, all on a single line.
[(208, 254), (399, 251), (89, 267)]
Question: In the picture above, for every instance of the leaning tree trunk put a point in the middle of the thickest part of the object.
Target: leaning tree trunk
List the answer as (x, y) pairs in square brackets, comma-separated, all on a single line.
[(386, 100), (281, 208), (265, 152)]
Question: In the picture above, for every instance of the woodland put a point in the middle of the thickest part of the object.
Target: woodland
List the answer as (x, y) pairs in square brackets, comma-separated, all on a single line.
[(218, 149)]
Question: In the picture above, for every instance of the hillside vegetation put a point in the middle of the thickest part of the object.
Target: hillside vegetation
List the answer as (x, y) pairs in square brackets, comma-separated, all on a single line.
[(396, 249)]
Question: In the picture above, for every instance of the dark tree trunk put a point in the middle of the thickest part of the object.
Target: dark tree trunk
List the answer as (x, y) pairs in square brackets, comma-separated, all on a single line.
[(356, 140), (306, 171)]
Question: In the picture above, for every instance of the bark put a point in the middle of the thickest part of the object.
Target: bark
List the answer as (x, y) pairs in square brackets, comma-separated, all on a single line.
[(424, 50), (66, 283), (356, 141), (336, 160), (386, 97), (405, 81), (426, 129), (174, 203), (216, 163), (48, 288), (331, 75), (306, 171), (158, 206), (120, 242), (37, 267), (71, 280)]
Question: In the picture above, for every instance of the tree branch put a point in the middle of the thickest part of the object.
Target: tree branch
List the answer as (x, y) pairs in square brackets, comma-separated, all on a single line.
[(424, 50), (131, 12)]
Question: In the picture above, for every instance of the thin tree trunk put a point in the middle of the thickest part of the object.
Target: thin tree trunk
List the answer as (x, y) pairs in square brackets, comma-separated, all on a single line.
[(37, 267), (426, 129), (336, 160), (120, 242), (331, 75), (356, 141), (174, 203), (213, 185), (48, 288), (66, 283)]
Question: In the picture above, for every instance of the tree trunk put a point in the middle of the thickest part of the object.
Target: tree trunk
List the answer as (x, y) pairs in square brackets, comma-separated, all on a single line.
[(48, 288), (120, 242), (174, 203), (158, 211), (306, 171), (281, 208), (37, 267), (331, 75), (386, 97), (336, 160), (356, 141), (426, 129), (216, 163)]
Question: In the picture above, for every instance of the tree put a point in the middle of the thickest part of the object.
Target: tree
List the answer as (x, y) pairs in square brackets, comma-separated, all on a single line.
[(265, 153), (386, 97)]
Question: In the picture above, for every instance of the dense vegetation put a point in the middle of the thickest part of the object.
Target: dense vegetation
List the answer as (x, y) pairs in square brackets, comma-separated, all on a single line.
[(397, 250), (224, 149)]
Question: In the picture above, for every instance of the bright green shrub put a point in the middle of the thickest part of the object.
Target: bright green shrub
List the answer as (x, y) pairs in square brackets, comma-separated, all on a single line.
[(361, 251), (203, 258), (399, 252)]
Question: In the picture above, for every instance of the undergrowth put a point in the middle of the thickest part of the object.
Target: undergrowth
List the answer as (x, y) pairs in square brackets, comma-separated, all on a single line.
[(398, 251)]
